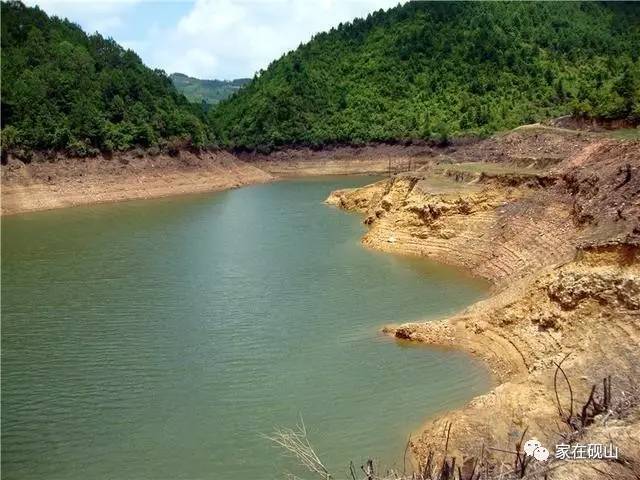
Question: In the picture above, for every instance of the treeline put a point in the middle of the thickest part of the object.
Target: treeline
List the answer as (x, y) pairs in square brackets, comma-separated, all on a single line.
[(432, 70), (65, 90), (423, 70)]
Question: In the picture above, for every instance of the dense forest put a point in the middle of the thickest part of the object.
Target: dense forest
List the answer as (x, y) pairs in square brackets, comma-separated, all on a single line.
[(206, 92), (433, 70), (423, 70), (65, 90)]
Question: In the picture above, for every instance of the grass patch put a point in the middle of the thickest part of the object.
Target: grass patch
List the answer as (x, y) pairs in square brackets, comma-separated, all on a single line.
[(624, 134), (488, 168)]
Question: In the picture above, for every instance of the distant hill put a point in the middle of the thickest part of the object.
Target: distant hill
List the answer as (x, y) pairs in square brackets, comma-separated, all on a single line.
[(209, 91), (432, 70), (65, 90)]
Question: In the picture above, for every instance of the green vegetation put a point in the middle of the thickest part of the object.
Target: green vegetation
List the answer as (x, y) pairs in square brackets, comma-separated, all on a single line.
[(206, 92), (625, 133), (423, 70), (64, 90), (436, 70)]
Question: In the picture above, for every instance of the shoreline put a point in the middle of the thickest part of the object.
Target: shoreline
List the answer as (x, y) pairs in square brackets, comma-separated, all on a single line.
[(67, 182), (563, 257), (71, 182), (58, 181)]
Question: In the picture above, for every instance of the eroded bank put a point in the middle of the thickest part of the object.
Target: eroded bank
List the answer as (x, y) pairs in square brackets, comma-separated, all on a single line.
[(552, 219)]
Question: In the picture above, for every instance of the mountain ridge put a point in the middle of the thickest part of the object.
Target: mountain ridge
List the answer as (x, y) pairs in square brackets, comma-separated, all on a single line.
[(65, 90), (209, 91), (416, 72)]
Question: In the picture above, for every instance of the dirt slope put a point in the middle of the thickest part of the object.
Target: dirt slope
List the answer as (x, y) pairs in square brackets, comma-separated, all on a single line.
[(562, 245), (75, 181), (61, 182)]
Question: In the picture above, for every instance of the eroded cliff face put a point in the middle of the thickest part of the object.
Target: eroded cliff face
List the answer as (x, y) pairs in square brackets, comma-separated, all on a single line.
[(587, 309), (496, 232), (562, 247), (503, 226)]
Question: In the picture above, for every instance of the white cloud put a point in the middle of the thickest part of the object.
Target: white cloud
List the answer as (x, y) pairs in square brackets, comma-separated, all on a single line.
[(104, 16), (230, 39), (214, 38)]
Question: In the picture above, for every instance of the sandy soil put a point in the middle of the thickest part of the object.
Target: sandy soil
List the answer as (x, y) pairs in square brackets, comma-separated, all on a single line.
[(373, 159)]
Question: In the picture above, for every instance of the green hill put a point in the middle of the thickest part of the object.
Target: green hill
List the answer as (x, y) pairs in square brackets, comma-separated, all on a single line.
[(424, 70), (206, 91), (65, 90), (433, 70)]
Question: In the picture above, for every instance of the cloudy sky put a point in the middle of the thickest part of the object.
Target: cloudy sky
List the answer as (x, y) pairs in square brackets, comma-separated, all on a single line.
[(223, 39)]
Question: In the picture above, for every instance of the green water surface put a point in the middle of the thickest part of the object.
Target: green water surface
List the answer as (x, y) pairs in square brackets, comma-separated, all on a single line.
[(159, 339)]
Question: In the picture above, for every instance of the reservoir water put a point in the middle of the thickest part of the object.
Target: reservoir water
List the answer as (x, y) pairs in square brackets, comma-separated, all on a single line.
[(160, 339)]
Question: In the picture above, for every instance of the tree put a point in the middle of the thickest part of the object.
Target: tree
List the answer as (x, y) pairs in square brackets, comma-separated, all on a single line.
[(62, 89)]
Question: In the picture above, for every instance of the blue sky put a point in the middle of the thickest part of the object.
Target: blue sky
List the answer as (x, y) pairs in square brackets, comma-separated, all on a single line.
[(210, 38)]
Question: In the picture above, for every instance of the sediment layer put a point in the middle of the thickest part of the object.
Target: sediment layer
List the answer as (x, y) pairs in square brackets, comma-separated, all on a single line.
[(68, 182), (46, 182), (560, 240), (370, 159)]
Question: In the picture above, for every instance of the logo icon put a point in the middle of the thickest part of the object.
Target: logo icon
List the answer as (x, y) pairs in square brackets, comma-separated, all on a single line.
[(533, 448)]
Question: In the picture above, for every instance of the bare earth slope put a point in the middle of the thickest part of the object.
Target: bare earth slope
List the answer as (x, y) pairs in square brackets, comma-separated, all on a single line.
[(74, 181), (63, 182), (555, 224)]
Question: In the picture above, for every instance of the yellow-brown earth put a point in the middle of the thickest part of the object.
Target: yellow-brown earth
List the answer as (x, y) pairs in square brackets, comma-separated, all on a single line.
[(552, 218)]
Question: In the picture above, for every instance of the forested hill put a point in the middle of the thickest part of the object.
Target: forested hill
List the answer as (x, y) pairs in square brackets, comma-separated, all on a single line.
[(424, 70), (433, 70), (207, 92), (65, 90)]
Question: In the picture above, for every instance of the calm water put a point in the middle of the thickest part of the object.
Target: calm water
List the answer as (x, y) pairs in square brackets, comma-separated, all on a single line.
[(158, 339)]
